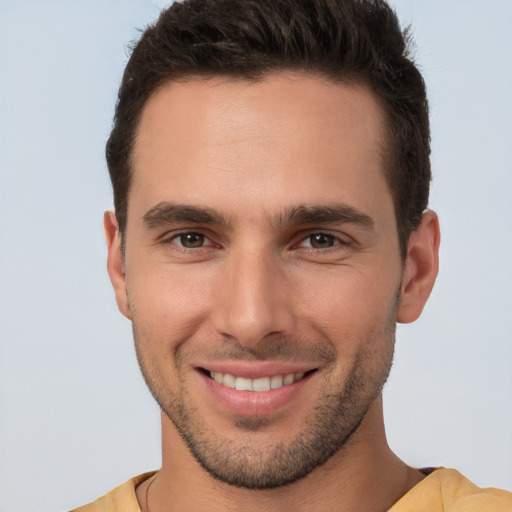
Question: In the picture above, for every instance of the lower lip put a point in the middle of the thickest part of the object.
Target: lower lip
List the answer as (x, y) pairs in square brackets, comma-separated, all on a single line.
[(254, 403)]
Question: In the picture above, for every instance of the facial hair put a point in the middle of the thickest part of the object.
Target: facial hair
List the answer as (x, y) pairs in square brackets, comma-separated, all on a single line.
[(250, 462)]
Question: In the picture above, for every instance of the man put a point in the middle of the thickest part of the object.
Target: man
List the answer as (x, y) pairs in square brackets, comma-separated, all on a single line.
[(270, 166)]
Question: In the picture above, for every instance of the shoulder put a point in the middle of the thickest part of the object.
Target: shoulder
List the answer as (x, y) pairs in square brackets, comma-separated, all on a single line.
[(446, 490), (120, 499)]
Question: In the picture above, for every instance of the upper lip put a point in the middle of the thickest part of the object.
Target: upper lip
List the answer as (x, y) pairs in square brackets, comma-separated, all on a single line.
[(256, 369)]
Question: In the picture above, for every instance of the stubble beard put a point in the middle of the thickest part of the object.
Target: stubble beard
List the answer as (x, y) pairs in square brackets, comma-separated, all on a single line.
[(247, 462)]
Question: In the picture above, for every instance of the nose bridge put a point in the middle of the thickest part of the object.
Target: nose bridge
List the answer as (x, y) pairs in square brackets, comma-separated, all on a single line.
[(254, 301)]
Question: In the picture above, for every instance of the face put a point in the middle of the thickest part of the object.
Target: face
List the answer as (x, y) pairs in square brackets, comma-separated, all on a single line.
[(262, 269)]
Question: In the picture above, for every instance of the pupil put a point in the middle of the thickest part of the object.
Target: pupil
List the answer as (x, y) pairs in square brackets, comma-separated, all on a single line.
[(191, 240), (321, 241)]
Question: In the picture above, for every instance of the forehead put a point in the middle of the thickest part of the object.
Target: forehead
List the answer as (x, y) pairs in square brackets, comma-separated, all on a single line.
[(287, 138)]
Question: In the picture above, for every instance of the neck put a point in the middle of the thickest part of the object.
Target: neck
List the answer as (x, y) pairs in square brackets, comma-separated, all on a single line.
[(364, 475)]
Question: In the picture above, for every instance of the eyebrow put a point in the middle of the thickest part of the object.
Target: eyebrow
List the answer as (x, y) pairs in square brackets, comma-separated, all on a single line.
[(337, 213), (165, 213)]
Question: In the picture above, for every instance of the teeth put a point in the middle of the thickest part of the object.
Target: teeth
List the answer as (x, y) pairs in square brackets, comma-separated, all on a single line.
[(288, 379), (228, 381), (261, 384), (276, 381), (242, 384)]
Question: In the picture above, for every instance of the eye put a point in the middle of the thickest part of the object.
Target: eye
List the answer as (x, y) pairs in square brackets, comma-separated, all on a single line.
[(320, 241), (190, 240)]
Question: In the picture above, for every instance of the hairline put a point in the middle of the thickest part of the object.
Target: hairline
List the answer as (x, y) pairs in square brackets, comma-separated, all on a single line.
[(387, 146)]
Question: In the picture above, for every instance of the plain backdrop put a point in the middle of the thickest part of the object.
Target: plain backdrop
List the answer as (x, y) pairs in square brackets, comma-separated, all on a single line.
[(75, 416)]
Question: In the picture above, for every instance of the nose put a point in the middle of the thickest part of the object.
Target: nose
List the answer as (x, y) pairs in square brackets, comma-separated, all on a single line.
[(254, 299)]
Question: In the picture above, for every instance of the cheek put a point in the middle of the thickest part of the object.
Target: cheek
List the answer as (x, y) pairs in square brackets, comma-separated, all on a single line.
[(356, 315), (173, 303), (167, 305), (345, 297)]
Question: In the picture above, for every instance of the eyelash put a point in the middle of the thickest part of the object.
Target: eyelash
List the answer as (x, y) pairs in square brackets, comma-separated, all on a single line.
[(337, 240), (172, 240)]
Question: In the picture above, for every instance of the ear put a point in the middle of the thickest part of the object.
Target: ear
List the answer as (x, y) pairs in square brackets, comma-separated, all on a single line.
[(420, 269), (115, 262)]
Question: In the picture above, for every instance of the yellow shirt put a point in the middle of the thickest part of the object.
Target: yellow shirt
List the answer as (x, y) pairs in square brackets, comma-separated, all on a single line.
[(120, 499), (444, 490)]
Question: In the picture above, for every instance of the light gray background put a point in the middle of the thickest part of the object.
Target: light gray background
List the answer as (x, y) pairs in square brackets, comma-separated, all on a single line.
[(75, 417)]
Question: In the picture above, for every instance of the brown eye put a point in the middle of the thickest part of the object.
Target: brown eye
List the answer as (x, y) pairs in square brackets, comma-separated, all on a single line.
[(321, 241), (190, 240)]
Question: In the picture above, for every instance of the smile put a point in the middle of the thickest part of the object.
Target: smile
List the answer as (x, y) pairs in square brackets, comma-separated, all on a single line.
[(255, 389), (259, 385)]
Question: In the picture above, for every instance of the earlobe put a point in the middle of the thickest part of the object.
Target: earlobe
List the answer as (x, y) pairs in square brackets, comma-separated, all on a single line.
[(420, 269), (115, 262)]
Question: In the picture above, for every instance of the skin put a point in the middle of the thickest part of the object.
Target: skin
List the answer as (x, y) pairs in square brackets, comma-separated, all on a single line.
[(240, 279)]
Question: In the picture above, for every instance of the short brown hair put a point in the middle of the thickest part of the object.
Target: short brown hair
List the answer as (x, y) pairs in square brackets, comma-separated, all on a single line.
[(341, 40)]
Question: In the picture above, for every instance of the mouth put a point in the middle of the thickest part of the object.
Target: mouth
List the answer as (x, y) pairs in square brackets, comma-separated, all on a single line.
[(258, 385), (256, 389)]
